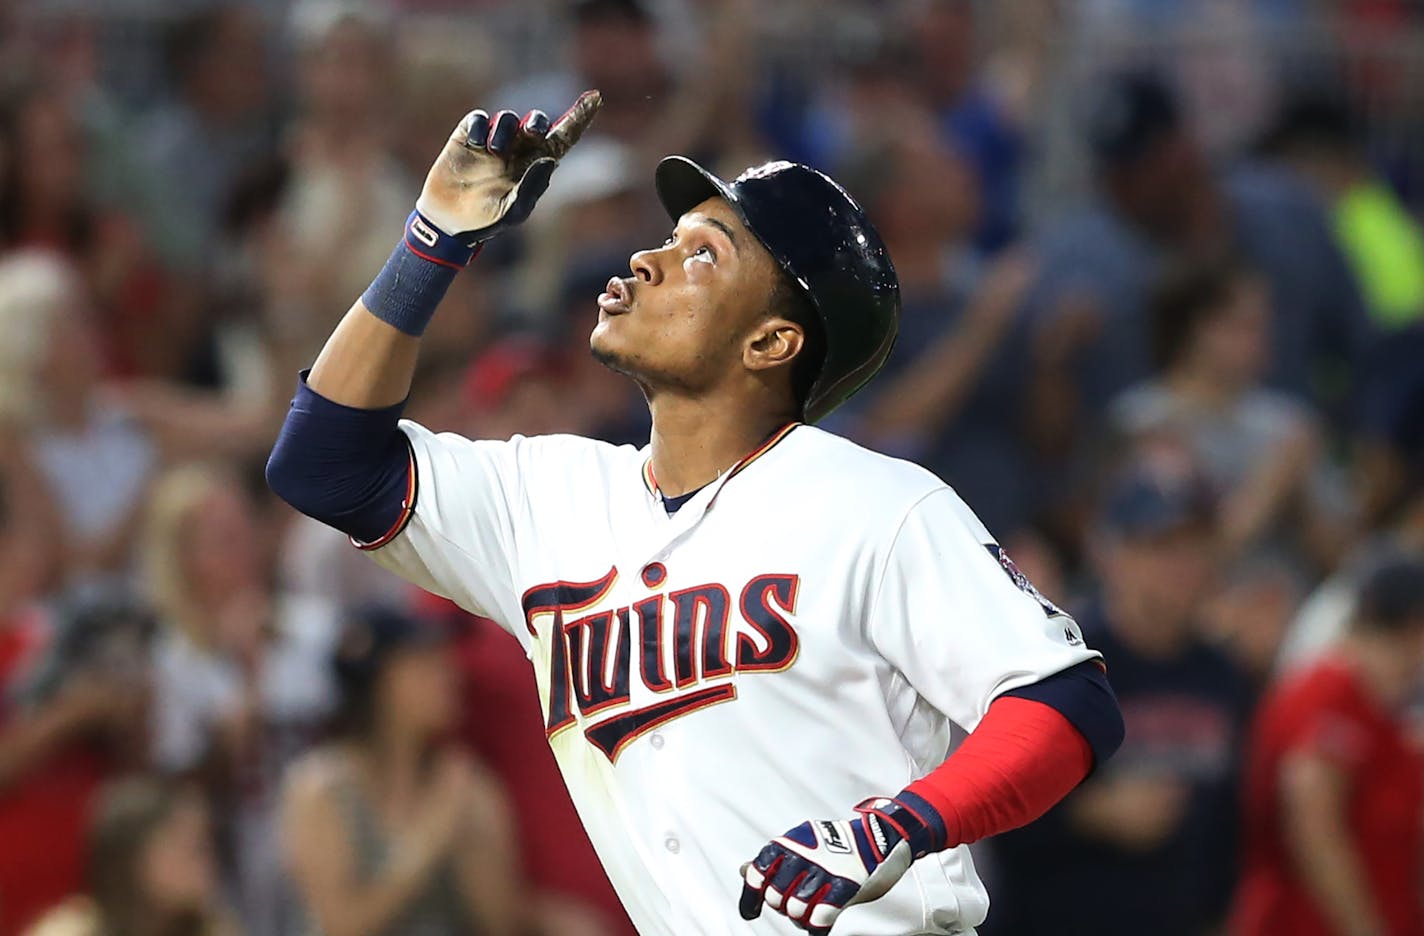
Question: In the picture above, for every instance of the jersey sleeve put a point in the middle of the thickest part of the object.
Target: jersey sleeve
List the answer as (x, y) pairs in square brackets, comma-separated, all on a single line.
[(958, 619), (458, 539)]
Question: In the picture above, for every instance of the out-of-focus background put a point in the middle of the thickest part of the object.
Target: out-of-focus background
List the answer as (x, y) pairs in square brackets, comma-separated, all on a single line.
[(1163, 329)]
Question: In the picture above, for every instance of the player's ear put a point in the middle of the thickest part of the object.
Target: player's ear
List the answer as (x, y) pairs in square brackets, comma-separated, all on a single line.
[(774, 342)]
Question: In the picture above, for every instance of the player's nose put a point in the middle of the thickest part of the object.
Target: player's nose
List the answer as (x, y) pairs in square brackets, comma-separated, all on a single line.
[(644, 265)]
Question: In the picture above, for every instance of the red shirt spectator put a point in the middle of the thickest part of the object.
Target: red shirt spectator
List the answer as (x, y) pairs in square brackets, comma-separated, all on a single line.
[(1330, 711), (45, 798)]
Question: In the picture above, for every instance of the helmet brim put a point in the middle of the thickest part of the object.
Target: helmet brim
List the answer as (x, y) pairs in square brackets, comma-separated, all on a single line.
[(682, 185)]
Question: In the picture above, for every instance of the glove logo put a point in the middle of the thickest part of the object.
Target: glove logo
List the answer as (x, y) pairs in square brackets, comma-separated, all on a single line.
[(423, 232), (835, 842)]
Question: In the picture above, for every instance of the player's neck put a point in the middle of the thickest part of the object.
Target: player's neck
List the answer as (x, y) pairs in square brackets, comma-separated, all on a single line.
[(1386, 672), (694, 441)]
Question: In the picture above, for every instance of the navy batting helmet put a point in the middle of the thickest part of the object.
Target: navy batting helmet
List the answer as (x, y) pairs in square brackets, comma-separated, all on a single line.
[(826, 244)]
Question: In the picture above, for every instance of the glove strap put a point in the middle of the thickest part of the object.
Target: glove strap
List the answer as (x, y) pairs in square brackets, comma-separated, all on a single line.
[(916, 821), (428, 242), (415, 278)]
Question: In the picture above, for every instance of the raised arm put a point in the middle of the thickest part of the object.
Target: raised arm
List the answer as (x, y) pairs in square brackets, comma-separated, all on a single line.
[(340, 457)]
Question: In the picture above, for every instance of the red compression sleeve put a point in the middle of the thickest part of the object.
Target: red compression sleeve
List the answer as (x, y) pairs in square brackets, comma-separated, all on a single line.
[(1022, 759)]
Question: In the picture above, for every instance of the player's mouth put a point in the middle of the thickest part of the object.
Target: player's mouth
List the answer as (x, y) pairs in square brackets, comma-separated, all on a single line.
[(616, 298)]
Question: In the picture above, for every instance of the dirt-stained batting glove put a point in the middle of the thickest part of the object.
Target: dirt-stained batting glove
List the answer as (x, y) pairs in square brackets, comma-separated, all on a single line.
[(493, 170), (819, 868)]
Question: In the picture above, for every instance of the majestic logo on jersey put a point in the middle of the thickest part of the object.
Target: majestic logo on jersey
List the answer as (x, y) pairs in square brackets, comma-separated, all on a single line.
[(684, 645)]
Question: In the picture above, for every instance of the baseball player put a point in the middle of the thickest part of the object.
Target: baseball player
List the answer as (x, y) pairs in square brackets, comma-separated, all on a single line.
[(748, 625)]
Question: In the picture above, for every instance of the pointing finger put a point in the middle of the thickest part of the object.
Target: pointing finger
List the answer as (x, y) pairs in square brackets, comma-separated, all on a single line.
[(568, 128)]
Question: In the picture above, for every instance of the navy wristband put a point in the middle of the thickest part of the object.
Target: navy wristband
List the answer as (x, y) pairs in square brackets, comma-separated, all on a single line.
[(918, 821), (415, 278)]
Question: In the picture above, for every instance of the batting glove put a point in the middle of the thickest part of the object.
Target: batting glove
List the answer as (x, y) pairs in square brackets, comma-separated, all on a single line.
[(819, 868), (493, 170)]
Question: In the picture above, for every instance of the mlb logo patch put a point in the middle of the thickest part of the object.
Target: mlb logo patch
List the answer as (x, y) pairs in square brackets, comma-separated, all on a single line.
[(1022, 583)]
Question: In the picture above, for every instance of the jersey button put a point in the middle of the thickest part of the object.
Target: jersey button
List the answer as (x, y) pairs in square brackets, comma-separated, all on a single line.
[(656, 741), (672, 844)]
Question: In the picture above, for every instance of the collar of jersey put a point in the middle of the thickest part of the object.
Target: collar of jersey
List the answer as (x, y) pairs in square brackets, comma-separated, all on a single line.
[(651, 482)]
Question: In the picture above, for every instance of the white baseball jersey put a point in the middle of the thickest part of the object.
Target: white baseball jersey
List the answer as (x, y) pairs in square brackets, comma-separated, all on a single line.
[(797, 637)]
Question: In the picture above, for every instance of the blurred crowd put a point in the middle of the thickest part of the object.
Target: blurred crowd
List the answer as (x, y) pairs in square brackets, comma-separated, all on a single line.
[(1163, 278)]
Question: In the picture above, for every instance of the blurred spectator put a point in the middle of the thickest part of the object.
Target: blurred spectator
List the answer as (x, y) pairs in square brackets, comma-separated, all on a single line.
[(1380, 238), (980, 110), (1253, 609), (196, 144), (95, 462), (1390, 427), (29, 542), (72, 706), (570, 896), (143, 323), (1325, 616), (1226, 54), (518, 385), (1335, 786), (151, 869), (390, 830), (953, 372), (242, 681), (704, 106), (613, 47), (1146, 845), (346, 192), (1260, 448), (1157, 196)]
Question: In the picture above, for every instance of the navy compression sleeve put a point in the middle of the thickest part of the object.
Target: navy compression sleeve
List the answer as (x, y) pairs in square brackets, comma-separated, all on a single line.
[(349, 468), (1082, 695)]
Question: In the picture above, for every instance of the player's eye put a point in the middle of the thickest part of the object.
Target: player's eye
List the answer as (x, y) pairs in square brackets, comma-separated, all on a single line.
[(671, 239), (705, 251)]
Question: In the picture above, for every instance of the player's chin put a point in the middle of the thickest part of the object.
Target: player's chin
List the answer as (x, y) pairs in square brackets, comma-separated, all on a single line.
[(606, 351)]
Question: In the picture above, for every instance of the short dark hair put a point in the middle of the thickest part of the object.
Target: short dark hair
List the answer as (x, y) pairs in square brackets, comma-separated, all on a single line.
[(789, 301), (1391, 594), (1129, 113), (1315, 119), (1188, 294), (599, 12), (191, 38), (372, 635)]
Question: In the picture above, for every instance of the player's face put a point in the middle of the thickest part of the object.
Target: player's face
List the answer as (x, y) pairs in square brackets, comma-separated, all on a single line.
[(684, 319)]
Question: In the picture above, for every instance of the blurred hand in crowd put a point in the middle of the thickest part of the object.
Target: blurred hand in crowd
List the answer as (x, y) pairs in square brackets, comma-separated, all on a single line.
[(1137, 813)]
